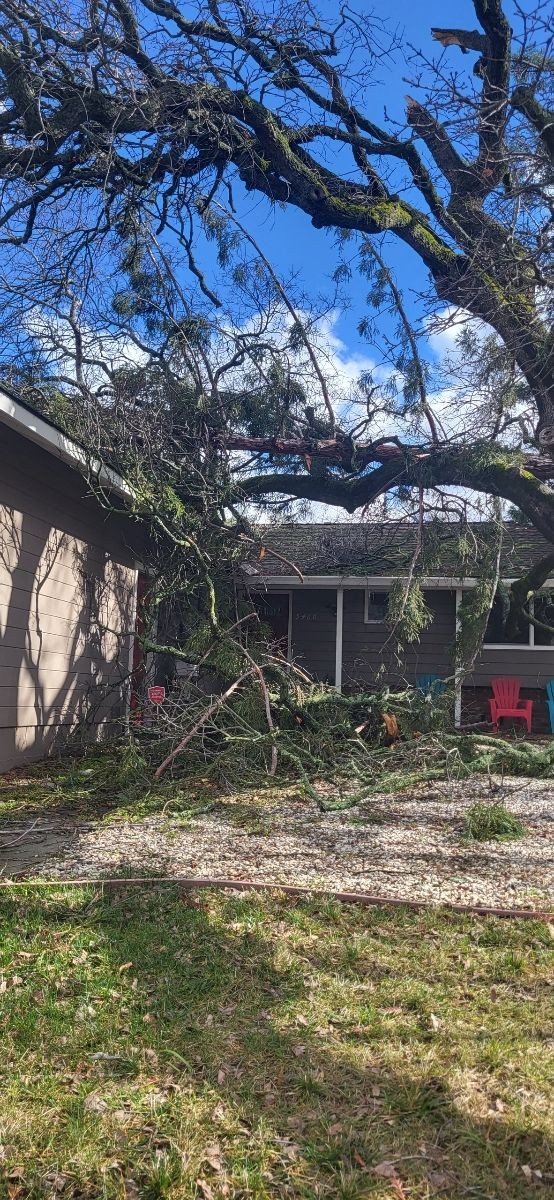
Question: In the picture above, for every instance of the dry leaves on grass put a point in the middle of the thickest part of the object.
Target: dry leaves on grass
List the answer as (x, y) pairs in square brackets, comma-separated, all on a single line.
[(532, 1174), (212, 1155), (94, 1103), (387, 1170), (56, 1181)]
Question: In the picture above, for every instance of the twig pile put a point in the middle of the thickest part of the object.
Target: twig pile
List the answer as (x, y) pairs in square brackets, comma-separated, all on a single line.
[(380, 742)]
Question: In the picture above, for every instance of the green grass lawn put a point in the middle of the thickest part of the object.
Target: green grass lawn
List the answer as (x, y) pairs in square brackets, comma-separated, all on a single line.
[(159, 1045)]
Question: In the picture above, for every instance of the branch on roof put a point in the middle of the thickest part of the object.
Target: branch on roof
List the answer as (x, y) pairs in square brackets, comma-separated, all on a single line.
[(481, 468)]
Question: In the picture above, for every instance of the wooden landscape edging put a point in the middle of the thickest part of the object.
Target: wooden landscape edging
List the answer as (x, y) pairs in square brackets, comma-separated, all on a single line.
[(289, 889)]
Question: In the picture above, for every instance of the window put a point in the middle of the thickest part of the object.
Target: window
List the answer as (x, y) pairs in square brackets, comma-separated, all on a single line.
[(543, 610), (376, 607), (494, 633), (541, 607)]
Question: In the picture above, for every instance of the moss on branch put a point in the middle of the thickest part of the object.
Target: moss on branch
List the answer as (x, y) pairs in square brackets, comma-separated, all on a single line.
[(483, 467)]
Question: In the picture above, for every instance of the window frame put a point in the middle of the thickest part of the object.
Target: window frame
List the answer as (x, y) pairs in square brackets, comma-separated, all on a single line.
[(530, 644), (367, 593)]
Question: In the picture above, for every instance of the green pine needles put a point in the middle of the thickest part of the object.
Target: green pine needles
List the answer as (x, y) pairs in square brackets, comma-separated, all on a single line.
[(486, 822)]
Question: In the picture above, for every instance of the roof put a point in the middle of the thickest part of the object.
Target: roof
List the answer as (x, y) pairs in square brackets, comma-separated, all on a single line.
[(18, 415), (387, 549)]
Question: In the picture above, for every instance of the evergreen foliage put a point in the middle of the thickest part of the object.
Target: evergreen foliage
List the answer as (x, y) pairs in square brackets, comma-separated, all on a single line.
[(485, 822)]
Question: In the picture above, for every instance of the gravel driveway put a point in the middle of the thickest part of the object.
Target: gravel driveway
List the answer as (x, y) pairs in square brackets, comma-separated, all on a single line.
[(410, 846)]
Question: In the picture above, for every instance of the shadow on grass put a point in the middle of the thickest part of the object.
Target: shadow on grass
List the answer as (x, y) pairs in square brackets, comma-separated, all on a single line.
[(237, 1047)]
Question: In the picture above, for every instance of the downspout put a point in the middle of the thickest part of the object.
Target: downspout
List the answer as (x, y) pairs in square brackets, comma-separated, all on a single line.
[(338, 640), (133, 629), (458, 672)]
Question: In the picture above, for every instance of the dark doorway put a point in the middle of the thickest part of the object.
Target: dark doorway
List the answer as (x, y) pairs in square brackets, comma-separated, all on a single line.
[(273, 608)]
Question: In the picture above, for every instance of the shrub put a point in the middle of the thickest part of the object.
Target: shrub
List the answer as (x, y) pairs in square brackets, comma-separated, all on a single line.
[(485, 822)]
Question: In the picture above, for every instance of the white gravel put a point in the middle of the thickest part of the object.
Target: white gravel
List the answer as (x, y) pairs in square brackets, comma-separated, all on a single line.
[(409, 846)]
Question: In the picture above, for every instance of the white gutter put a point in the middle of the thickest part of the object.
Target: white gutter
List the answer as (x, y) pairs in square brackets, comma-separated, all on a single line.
[(448, 582), (355, 581), (31, 426)]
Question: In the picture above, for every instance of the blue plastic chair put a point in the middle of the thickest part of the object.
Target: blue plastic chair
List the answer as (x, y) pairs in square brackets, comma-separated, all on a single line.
[(550, 702), (433, 685)]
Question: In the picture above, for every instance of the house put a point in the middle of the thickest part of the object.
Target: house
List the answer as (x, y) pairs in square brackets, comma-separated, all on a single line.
[(333, 620), (70, 576), (68, 586)]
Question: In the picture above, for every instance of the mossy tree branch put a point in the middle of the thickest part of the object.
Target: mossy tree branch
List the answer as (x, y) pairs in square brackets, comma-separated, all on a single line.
[(104, 115), (482, 468), (524, 589)]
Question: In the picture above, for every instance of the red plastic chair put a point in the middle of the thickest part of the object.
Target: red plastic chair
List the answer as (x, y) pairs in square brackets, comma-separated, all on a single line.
[(506, 702)]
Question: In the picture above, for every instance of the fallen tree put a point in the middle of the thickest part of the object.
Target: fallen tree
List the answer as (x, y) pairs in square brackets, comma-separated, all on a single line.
[(337, 749), (129, 134), (132, 129)]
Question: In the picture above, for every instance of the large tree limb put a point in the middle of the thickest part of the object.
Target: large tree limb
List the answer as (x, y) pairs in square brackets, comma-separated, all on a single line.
[(494, 69), (524, 588), (437, 141), (466, 39), (524, 100), (478, 468), (342, 451), (349, 494)]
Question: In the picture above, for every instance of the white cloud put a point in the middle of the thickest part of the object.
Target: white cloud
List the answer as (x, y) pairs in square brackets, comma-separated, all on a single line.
[(57, 338), (444, 328), (340, 367), (345, 366)]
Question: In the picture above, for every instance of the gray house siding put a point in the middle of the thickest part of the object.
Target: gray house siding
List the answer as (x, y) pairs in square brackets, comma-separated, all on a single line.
[(67, 586), (367, 660), (533, 667), (314, 624), (366, 656)]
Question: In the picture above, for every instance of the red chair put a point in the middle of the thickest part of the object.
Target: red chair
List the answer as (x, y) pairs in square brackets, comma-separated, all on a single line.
[(506, 702)]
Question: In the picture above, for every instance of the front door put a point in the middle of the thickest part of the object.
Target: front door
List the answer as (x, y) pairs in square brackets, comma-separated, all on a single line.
[(273, 608)]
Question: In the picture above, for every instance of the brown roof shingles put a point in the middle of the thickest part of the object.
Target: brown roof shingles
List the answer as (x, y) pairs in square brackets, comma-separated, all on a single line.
[(387, 548)]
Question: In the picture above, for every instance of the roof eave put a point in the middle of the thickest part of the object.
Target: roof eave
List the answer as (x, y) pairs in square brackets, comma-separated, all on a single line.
[(448, 582), (32, 427)]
